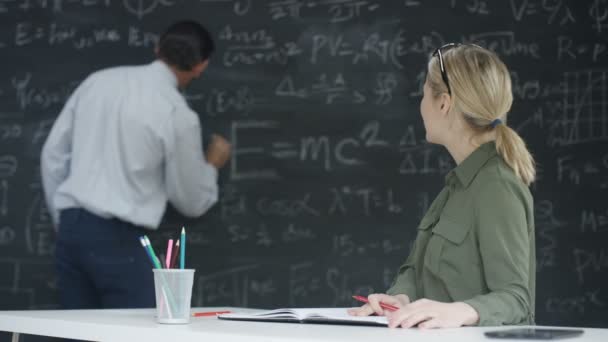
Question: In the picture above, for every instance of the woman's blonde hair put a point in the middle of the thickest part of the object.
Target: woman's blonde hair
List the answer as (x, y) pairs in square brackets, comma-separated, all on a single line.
[(480, 87)]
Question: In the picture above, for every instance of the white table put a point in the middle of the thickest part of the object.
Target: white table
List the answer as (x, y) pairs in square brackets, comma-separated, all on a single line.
[(140, 325)]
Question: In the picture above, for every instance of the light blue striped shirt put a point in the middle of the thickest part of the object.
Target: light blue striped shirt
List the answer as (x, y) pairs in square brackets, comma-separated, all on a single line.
[(125, 143)]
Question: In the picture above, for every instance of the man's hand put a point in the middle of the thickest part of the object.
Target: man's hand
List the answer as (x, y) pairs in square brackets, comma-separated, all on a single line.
[(218, 151)]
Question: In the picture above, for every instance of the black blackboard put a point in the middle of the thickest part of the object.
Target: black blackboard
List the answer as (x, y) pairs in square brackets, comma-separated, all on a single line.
[(330, 173)]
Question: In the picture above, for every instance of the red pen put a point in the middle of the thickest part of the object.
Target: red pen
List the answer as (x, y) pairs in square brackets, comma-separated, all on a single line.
[(209, 313), (386, 306)]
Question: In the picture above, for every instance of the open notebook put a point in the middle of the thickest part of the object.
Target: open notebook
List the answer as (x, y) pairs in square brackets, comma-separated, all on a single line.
[(308, 315)]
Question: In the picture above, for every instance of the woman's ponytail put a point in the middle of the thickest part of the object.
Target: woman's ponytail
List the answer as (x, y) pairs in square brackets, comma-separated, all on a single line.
[(514, 152)]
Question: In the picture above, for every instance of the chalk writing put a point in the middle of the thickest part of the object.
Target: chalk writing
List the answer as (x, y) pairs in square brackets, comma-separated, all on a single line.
[(39, 234), (303, 283), (339, 11), (576, 170), (547, 225), (578, 303), (29, 96), (589, 261), (55, 6), (373, 48), (3, 197), (332, 88), (7, 235), (345, 245), (598, 11), (140, 8), (8, 166), (255, 47), (343, 287), (424, 160), (239, 7), (555, 11), (594, 221), (569, 48), (230, 285), (505, 44), (10, 131)]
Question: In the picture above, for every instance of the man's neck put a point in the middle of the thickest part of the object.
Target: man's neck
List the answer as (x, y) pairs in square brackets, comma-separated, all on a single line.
[(183, 77)]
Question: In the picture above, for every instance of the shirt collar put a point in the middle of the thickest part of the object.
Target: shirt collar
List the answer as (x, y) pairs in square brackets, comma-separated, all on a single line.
[(466, 171), (164, 72)]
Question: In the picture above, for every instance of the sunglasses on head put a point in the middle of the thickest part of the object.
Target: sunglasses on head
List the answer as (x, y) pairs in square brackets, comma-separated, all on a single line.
[(438, 53)]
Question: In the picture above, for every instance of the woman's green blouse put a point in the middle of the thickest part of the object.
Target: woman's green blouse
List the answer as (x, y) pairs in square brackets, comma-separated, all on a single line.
[(476, 243)]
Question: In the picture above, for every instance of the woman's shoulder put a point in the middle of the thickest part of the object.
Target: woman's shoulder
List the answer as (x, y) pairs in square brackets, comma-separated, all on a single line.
[(497, 177)]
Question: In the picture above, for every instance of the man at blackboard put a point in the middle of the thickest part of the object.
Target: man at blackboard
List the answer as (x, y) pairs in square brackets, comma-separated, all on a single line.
[(125, 143)]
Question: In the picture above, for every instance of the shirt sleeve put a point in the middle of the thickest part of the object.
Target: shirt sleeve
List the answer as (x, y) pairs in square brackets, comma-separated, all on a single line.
[(56, 154), (191, 182), (405, 281), (504, 243)]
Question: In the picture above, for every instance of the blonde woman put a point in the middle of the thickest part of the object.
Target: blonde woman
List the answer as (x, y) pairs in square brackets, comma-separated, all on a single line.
[(473, 261)]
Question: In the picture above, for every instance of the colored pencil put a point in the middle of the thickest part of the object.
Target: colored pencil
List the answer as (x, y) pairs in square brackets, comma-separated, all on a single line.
[(169, 249), (143, 243), (149, 246), (175, 253), (182, 249)]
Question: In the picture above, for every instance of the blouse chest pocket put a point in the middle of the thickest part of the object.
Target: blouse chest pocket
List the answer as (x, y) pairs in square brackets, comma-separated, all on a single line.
[(450, 249)]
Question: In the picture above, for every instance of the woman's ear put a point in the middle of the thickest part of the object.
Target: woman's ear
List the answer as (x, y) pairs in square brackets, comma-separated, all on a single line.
[(445, 102)]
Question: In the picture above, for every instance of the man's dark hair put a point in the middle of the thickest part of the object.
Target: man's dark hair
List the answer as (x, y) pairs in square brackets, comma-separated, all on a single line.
[(184, 44)]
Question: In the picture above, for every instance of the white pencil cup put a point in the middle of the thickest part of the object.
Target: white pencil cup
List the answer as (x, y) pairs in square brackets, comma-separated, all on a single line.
[(173, 295)]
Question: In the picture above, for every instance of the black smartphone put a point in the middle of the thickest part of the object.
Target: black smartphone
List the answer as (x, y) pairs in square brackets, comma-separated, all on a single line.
[(534, 333)]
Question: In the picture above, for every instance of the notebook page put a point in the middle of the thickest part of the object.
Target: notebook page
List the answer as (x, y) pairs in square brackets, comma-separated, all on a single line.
[(338, 314), (335, 314), (277, 313)]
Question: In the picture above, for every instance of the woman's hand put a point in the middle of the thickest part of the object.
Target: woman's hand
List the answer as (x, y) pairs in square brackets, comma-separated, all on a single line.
[(428, 314), (373, 306)]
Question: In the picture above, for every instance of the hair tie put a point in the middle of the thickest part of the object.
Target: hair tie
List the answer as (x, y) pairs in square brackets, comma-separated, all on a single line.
[(495, 123)]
